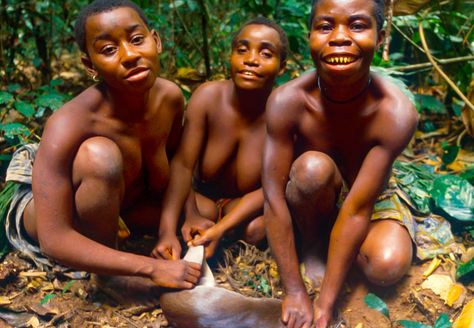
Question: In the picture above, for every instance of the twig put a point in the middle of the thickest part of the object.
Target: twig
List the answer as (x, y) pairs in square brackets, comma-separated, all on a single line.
[(399, 30), (386, 46), (429, 64), (438, 69)]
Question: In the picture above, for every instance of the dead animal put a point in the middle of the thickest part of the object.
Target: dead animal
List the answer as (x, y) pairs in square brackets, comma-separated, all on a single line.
[(208, 306)]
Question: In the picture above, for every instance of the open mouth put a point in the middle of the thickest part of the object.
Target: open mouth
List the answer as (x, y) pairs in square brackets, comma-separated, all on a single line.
[(340, 59), (248, 73)]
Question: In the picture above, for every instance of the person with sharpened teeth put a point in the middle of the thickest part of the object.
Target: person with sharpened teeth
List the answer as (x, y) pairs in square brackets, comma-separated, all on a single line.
[(327, 162)]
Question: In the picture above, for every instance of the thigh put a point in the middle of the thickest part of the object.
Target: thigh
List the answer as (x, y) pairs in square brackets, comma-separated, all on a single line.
[(386, 253), (207, 207)]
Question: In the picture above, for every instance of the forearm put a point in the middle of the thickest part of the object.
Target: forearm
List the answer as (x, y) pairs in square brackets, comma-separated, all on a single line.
[(282, 243), (249, 207), (346, 238), (74, 250), (175, 197)]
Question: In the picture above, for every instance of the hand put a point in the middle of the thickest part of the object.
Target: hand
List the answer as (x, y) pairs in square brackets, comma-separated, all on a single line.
[(176, 274), (193, 225), (167, 248), (322, 317), (297, 311), (210, 239)]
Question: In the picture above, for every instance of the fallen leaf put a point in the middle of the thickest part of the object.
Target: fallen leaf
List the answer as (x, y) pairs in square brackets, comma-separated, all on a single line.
[(440, 284), (466, 318), (5, 300)]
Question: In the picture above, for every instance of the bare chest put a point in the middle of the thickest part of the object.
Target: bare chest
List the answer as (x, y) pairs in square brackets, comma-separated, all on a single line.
[(232, 157)]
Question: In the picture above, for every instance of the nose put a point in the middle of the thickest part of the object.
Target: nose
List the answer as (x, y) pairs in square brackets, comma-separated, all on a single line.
[(340, 37), (251, 58), (129, 54)]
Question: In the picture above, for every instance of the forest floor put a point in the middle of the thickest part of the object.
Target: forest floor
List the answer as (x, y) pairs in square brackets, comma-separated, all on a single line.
[(31, 298)]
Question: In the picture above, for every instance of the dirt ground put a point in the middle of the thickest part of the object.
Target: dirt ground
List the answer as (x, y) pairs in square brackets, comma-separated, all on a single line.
[(30, 298)]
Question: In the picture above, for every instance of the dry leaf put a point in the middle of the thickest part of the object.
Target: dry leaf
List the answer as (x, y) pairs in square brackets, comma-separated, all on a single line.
[(5, 300), (466, 318)]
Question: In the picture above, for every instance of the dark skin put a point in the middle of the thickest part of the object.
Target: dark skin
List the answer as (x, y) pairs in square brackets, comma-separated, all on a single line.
[(315, 143), (105, 153), (223, 135)]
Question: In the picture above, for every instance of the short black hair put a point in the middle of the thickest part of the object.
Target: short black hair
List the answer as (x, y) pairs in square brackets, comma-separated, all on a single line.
[(97, 7), (267, 22), (379, 13)]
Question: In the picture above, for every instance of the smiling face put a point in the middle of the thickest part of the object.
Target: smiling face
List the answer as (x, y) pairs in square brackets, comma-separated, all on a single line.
[(255, 59), (122, 50), (343, 39)]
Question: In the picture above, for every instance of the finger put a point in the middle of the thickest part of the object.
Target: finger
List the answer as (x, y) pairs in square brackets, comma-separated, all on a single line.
[(165, 254), (194, 266), (186, 232), (284, 317), (291, 321), (176, 253), (186, 285), (192, 279)]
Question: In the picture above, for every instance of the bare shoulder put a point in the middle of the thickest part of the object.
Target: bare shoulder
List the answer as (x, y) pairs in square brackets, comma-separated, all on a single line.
[(398, 112), (208, 95), (168, 92), (289, 99)]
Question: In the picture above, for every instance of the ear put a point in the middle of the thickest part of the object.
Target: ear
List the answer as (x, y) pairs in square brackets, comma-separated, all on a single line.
[(282, 68), (157, 39), (88, 64), (380, 38)]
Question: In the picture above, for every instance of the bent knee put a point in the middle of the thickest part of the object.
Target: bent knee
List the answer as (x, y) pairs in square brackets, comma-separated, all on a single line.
[(254, 233), (314, 171), (386, 265), (99, 157)]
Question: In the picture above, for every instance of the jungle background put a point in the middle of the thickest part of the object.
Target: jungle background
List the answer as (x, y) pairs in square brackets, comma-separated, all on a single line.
[(430, 47)]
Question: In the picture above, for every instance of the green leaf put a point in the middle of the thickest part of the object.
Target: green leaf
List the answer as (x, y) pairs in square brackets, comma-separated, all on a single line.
[(430, 104), (13, 87), (50, 100), (24, 108), (5, 97), (412, 324), (14, 129), (442, 321), (454, 196), (56, 82), (450, 152), (374, 302), (46, 298), (465, 271), (68, 286)]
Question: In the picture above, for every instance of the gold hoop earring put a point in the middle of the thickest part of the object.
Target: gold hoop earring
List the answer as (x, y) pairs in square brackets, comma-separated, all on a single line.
[(95, 77)]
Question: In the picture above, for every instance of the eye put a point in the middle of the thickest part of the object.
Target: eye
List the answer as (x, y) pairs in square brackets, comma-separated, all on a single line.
[(325, 27), (266, 53), (137, 39), (241, 49), (108, 50), (358, 27)]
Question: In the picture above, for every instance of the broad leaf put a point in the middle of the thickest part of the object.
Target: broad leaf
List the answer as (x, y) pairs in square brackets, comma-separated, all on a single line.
[(454, 196), (5, 97), (442, 321), (465, 271), (374, 302), (14, 129), (412, 324), (24, 108)]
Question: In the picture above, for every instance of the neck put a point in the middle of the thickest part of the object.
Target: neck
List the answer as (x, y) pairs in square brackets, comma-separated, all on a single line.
[(341, 93), (251, 103), (126, 105)]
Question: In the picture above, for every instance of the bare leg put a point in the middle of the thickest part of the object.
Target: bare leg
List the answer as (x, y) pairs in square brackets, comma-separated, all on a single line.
[(386, 253), (311, 193), (97, 175)]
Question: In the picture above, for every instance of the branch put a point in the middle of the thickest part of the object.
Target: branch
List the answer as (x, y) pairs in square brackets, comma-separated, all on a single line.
[(428, 64), (438, 69)]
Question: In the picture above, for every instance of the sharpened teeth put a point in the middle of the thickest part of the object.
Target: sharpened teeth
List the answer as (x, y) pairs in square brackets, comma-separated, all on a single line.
[(340, 60)]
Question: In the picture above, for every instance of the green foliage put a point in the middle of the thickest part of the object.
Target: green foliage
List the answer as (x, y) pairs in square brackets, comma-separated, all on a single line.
[(454, 196), (465, 271), (374, 302)]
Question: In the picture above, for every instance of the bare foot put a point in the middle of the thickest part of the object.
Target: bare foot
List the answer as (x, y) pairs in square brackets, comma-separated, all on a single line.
[(314, 263), (129, 291)]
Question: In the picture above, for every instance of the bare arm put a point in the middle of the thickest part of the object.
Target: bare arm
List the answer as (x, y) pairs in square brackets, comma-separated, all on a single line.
[(278, 157), (181, 172), (352, 224), (58, 238)]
